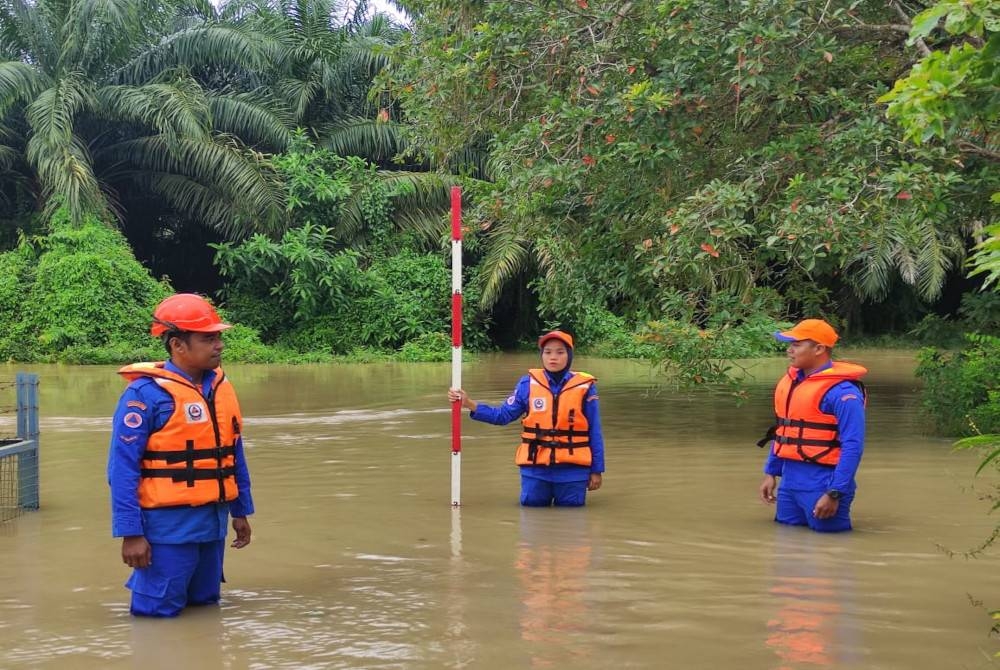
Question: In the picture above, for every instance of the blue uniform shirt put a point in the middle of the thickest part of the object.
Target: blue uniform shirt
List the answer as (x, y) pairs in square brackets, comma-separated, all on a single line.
[(846, 402), (516, 406), (171, 525)]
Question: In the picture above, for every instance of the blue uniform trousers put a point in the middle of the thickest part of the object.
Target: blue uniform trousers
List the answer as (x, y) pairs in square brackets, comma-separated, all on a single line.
[(537, 492), (179, 575), (795, 508)]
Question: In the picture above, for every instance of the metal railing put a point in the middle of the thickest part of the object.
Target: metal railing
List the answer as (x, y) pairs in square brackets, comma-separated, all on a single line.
[(19, 481)]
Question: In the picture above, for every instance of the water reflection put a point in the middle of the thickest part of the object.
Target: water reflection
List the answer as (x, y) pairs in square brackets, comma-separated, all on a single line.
[(814, 620), (553, 562)]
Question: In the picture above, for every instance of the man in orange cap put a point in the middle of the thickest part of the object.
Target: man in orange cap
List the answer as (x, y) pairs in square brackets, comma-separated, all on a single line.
[(561, 454), (176, 465), (819, 434)]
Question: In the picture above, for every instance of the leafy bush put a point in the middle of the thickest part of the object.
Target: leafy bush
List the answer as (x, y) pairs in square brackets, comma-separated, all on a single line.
[(960, 388), (429, 347), (86, 293)]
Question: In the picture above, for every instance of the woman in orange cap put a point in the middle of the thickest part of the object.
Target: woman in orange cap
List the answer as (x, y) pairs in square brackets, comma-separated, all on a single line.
[(561, 454)]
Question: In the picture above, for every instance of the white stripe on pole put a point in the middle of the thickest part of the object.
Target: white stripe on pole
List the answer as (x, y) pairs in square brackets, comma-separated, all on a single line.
[(456, 344)]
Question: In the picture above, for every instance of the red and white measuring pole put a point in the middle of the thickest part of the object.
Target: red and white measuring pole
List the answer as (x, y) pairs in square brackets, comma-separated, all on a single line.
[(456, 344)]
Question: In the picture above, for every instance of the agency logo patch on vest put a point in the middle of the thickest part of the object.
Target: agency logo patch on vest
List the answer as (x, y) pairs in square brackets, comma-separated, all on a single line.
[(538, 404), (195, 412)]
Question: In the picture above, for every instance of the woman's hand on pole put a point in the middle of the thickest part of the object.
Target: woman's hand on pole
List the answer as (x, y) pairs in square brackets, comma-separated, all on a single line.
[(458, 395)]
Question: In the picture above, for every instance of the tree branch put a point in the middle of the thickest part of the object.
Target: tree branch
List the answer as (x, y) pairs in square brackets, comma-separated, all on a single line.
[(968, 147), (921, 45)]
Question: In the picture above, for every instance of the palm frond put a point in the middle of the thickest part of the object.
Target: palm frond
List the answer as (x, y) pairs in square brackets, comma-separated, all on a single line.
[(60, 158), (299, 93), (8, 156), (507, 255), (936, 256), (175, 109), (210, 44), (200, 202), (357, 136), (92, 26), (253, 116), (222, 164), (64, 168), (19, 82)]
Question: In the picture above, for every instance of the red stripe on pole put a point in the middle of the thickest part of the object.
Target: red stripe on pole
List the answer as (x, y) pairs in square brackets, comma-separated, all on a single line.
[(456, 427), (456, 213), (456, 319)]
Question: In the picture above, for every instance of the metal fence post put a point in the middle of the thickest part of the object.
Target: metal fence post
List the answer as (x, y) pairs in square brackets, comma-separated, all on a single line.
[(29, 481)]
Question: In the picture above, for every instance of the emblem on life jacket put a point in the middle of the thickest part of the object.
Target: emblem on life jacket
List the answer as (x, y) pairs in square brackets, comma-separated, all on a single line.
[(194, 412), (538, 404)]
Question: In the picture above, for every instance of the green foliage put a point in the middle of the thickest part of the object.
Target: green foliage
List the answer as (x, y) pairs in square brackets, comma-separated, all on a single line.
[(951, 93), (308, 294), (110, 97), (427, 348), (986, 260), (74, 293), (960, 391), (698, 342), (641, 151)]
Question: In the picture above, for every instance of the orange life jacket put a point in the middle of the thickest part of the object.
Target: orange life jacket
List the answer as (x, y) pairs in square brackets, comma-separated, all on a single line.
[(555, 430), (191, 460), (803, 432)]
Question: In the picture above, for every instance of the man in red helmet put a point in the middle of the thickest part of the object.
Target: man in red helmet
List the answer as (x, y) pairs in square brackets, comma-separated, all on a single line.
[(176, 465), (561, 455)]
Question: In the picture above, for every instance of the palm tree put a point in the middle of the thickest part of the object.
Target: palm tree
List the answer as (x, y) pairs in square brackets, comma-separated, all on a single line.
[(331, 53), (118, 95)]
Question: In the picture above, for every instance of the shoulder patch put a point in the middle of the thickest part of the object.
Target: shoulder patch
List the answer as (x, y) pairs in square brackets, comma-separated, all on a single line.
[(136, 404), (849, 396), (511, 399), (132, 419)]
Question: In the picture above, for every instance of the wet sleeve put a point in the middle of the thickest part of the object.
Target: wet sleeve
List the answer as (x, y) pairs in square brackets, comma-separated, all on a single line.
[(513, 408), (773, 464), (243, 505), (846, 402), (592, 410), (130, 431)]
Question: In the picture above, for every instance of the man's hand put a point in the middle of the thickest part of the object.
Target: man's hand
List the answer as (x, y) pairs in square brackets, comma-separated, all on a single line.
[(136, 552), (767, 488), (242, 528), (826, 507), (596, 479)]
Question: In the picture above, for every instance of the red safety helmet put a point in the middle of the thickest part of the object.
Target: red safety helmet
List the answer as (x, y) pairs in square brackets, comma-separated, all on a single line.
[(186, 312), (565, 338)]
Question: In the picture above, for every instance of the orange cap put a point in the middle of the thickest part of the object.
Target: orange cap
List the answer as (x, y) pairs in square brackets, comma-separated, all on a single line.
[(816, 330), (565, 338)]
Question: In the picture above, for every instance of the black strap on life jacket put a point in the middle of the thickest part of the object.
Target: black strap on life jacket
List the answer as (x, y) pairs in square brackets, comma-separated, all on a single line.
[(537, 438), (768, 436), (181, 456), (189, 473)]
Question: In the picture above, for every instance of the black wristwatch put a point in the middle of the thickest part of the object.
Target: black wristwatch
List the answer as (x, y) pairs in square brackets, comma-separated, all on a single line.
[(834, 494)]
